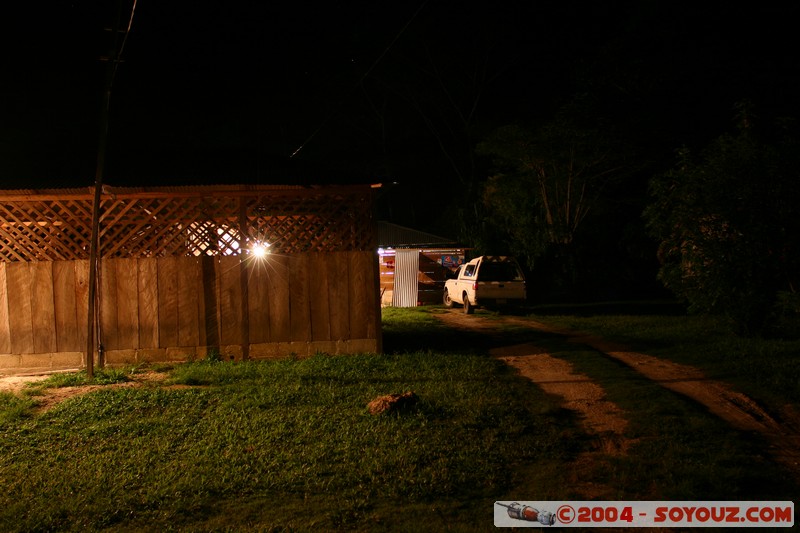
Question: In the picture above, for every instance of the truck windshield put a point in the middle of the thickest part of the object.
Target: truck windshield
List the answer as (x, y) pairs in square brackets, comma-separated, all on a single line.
[(506, 271)]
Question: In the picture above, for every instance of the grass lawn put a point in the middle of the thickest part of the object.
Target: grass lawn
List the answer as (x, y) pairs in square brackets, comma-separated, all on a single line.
[(283, 445), (289, 445)]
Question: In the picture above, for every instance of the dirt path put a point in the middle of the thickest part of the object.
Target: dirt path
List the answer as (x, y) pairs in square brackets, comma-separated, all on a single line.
[(601, 419), (604, 419)]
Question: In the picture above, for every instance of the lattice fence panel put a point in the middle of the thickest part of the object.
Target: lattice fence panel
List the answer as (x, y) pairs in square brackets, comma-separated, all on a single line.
[(186, 222), (44, 230), (322, 223)]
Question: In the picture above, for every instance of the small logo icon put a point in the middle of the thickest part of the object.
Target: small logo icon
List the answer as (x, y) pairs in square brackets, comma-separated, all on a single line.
[(565, 514), (528, 513)]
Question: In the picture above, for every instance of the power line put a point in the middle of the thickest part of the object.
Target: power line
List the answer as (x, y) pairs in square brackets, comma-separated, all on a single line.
[(118, 57), (361, 79)]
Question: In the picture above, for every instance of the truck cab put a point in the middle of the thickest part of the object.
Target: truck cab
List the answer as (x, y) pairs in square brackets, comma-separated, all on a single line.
[(486, 281)]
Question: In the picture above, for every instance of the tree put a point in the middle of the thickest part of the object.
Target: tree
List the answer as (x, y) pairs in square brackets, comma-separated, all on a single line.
[(548, 181), (727, 227)]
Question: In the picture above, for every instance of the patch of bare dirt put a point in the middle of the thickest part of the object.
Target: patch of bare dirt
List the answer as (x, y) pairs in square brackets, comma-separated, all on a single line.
[(54, 396), (17, 383), (604, 418)]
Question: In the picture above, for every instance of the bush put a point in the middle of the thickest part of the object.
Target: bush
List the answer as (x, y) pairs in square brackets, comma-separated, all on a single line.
[(727, 229)]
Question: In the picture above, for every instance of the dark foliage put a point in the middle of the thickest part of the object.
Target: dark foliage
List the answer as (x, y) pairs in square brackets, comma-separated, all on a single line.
[(727, 226)]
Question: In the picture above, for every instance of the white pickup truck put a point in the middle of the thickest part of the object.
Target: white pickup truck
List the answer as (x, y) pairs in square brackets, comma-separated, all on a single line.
[(486, 281)]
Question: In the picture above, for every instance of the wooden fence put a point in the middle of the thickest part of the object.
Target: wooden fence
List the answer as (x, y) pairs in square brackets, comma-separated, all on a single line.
[(165, 294)]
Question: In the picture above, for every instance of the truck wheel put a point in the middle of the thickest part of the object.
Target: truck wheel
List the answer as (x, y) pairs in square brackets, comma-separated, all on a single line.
[(448, 302), (468, 307)]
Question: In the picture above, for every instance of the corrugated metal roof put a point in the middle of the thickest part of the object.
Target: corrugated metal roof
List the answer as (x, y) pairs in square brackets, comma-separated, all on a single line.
[(47, 192), (395, 236), (177, 190)]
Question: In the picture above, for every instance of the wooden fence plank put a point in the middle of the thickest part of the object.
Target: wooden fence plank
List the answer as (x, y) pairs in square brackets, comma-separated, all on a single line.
[(189, 291), (373, 296), (230, 293), (107, 293), (147, 297), (339, 295), (278, 288), (18, 280), (167, 302), (43, 315), (299, 304), (66, 307), (358, 293), (127, 303), (258, 304), (5, 329), (318, 286), (82, 302), (209, 308)]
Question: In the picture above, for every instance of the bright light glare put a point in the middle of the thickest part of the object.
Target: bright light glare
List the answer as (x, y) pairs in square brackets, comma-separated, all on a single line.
[(260, 250)]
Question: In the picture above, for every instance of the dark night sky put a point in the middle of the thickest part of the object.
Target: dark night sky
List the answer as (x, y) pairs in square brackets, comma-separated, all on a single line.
[(225, 92)]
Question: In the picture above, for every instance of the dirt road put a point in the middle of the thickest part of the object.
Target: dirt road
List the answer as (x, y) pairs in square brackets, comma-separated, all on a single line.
[(603, 418)]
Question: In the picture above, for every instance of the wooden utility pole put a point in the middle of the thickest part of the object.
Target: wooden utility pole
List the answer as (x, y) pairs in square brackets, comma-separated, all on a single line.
[(112, 62), (93, 326)]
